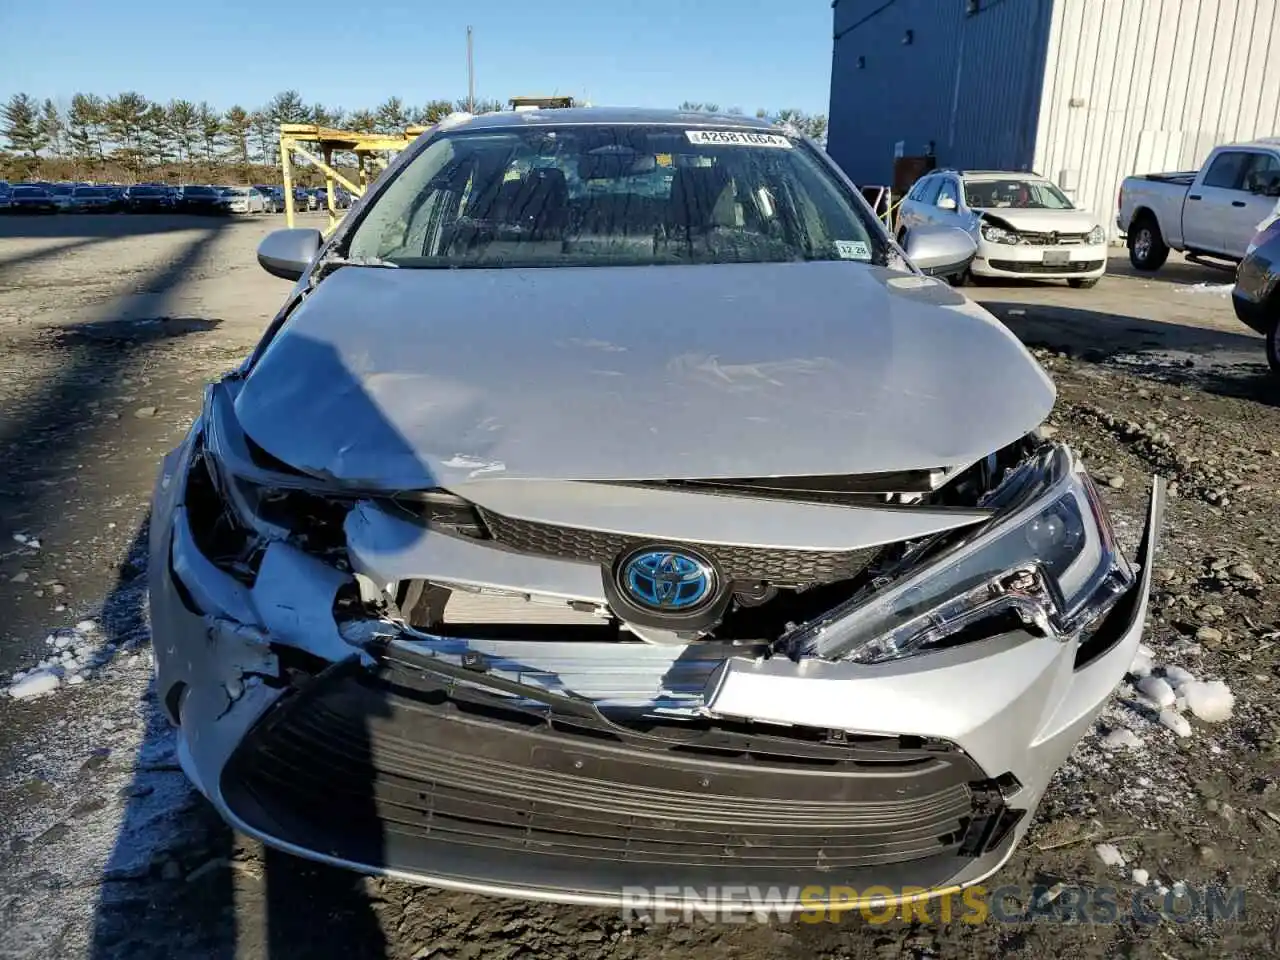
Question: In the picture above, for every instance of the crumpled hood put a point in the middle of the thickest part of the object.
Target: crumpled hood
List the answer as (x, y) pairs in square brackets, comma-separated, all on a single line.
[(1045, 221), (404, 378)]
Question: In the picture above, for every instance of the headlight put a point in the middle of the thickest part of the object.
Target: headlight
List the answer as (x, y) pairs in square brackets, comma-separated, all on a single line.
[(1048, 559), (1098, 235), (998, 234)]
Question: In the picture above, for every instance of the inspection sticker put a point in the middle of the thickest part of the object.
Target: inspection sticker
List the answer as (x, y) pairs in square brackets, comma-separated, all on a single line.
[(736, 138), (852, 250)]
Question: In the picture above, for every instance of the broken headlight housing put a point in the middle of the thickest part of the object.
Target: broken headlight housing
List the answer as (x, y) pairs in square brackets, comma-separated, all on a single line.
[(1047, 558), (998, 234)]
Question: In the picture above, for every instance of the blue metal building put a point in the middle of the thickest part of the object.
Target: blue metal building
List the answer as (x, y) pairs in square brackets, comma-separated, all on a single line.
[(1082, 91)]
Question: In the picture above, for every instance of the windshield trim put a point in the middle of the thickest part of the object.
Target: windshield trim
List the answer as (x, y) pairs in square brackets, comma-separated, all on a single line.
[(882, 252)]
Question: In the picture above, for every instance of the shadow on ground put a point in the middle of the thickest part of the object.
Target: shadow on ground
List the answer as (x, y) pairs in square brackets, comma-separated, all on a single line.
[(1219, 361), (322, 772), (1176, 270), (104, 226)]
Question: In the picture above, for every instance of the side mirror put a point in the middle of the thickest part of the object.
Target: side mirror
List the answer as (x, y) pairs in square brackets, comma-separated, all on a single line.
[(946, 203), (287, 253), (940, 251)]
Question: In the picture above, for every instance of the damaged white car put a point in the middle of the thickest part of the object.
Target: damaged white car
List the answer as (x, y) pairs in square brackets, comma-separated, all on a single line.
[(613, 507)]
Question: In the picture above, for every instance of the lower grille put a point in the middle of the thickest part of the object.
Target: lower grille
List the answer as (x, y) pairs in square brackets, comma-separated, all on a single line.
[(787, 567), (1031, 266), (398, 768)]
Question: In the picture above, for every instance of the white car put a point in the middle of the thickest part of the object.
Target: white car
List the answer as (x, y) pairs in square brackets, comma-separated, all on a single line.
[(241, 200), (1023, 224)]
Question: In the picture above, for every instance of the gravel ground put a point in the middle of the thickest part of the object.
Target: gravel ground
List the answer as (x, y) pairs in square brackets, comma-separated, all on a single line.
[(109, 327)]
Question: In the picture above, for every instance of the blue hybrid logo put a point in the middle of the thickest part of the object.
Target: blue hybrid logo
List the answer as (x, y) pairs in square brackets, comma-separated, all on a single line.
[(667, 580)]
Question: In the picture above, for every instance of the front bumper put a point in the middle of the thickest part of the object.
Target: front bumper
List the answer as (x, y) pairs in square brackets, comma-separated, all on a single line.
[(1073, 261), (429, 760)]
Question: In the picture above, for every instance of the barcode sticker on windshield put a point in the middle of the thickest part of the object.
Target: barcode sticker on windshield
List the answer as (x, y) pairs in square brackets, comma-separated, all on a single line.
[(736, 138), (852, 250)]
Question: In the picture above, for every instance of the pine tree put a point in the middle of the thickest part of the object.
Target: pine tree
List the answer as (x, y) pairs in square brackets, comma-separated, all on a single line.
[(237, 126), (84, 126), (21, 127), (180, 117), (52, 128), (210, 124)]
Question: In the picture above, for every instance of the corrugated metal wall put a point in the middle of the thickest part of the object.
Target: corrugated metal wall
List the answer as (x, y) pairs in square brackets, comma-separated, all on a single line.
[(969, 83), (1142, 87)]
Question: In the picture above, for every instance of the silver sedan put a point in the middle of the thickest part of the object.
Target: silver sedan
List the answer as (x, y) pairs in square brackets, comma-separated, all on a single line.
[(241, 200), (615, 514)]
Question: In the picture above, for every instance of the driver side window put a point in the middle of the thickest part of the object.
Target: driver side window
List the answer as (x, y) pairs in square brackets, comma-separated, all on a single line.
[(948, 193)]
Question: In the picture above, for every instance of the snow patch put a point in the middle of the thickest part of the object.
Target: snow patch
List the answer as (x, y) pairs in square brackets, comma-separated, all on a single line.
[(1157, 690), (1121, 738), (1175, 722), (77, 653), (1211, 701), (1110, 854), (34, 684), (1140, 877), (1215, 289), (1142, 665)]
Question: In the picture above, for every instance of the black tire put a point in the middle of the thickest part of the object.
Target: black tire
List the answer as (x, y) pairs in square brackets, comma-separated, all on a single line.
[(1147, 249), (960, 279), (1081, 283), (1273, 348)]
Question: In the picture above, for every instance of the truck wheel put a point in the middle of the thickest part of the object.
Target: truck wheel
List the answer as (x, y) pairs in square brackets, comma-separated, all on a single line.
[(1273, 348), (1147, 249), (1083, 283)]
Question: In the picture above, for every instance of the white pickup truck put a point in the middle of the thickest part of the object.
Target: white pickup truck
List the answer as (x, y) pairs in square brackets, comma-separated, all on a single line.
[(1214, 212)]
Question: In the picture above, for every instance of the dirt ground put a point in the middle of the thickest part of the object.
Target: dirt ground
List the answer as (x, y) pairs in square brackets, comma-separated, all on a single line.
[(110, 326)]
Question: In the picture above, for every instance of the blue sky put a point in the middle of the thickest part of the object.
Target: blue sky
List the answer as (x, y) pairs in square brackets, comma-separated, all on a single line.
[(745, 53)]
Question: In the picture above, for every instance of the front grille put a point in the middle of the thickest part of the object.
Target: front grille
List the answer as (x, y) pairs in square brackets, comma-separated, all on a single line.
[(1030, 266), (401, 766), (792, 567), (1052, 239)]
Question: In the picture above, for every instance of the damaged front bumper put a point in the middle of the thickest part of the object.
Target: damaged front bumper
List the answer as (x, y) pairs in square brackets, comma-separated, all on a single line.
[(587, 772)]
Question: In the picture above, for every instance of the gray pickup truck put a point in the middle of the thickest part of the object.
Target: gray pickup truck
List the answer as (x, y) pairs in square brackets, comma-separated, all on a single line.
[(1212, 212)]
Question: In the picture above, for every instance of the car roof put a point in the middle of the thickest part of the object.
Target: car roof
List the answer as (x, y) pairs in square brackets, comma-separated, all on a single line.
[(608, 115), (1269, 143), (1001, 175)]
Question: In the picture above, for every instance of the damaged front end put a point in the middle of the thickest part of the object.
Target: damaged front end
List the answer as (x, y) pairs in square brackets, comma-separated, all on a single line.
[(574, 691)]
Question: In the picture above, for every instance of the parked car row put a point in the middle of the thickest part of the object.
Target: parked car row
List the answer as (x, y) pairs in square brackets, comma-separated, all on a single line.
[(44, 197)]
